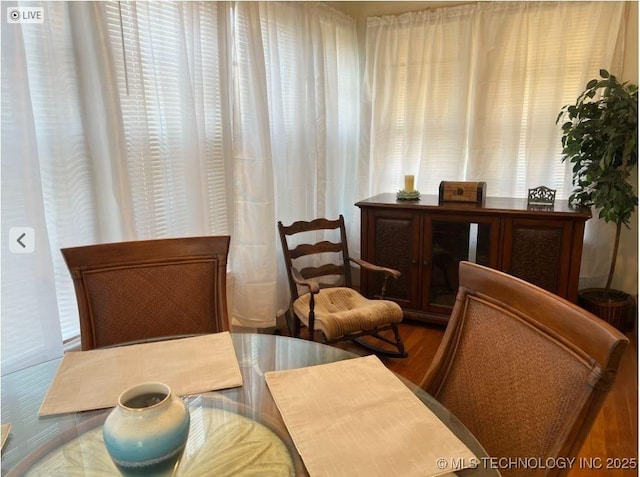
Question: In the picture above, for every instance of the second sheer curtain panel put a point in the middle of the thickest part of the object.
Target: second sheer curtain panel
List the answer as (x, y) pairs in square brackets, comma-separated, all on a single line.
[(472, 93)]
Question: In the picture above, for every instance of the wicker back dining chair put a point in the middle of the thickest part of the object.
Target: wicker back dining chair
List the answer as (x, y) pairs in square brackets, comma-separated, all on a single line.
[(141, 290), (525, 370), (322, 296)]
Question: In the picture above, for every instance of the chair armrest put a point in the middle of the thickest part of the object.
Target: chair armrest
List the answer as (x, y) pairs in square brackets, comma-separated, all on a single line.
[(313, 287), (375, 268)]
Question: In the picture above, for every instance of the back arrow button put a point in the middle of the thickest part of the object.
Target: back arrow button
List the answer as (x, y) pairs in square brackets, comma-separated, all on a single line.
[(19, 240)]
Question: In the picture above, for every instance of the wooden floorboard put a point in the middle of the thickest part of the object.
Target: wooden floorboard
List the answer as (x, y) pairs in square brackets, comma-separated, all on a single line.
[(613, 440)]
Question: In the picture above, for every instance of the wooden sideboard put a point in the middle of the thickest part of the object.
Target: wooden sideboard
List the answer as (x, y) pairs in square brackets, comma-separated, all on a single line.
[(426, 241)]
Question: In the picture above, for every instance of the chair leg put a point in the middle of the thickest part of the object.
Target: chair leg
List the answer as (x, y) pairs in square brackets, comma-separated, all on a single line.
[(293, 323), (401, 353), (399, 343)]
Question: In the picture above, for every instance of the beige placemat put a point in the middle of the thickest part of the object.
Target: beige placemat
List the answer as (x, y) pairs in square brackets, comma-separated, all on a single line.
[(5, 428), (94, 379), (356, 418)]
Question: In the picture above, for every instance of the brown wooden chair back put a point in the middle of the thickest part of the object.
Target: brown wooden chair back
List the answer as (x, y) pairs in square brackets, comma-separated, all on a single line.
[(325, 261), (141, 290), (525, 370)]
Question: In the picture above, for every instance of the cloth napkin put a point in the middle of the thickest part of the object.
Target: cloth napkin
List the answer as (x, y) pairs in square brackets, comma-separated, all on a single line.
[(94, 379), (356, 418)]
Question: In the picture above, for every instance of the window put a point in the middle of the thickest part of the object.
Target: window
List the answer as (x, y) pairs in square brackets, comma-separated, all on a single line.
[(167, 58), (145, 120), (472, 92)]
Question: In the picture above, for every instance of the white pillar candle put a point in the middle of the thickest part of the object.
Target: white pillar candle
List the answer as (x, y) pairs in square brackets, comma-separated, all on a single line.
[(408, 183)]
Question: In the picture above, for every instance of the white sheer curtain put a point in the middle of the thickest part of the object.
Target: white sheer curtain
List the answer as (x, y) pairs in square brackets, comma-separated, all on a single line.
[(30, 322), (126, 121), (472, 93), (295, 132), (61, 102), (165, 68)]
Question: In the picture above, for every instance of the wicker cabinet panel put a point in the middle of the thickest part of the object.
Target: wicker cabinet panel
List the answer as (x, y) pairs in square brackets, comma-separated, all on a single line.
[(393, 249), (541, 252), (536, 256), (394, 242)]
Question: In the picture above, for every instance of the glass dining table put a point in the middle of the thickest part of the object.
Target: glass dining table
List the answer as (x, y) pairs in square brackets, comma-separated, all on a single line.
[(237, 431)]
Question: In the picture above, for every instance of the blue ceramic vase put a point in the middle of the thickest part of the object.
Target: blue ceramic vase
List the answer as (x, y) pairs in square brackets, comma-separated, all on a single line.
[(146, 432)]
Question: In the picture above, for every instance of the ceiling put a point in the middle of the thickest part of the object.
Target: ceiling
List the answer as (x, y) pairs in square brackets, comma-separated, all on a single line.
[(362, 9)]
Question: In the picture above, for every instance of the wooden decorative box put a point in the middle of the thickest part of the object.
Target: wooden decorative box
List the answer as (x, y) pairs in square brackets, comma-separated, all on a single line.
[(473, 192)]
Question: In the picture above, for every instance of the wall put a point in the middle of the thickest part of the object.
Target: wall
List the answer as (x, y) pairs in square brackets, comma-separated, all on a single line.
[(626, 276)]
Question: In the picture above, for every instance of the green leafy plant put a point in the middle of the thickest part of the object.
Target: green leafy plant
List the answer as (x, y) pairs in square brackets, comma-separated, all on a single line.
[(600, 139)]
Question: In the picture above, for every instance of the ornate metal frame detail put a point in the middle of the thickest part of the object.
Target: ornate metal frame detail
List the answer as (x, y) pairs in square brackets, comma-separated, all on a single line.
[(541, 195)]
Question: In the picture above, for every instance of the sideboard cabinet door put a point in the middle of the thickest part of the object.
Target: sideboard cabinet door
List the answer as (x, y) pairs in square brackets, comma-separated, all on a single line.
[(391, 238), (543, 252), (448, 240)]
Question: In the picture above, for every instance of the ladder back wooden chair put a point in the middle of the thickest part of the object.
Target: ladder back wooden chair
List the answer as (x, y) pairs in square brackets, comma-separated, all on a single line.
[(525, 370), (322, 296), (149, 289)]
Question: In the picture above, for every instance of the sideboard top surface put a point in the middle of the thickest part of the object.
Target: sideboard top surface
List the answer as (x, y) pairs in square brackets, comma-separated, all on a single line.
[(491, 205)]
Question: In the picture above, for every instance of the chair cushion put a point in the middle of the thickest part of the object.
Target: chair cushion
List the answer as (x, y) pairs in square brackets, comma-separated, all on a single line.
[(340, 311)]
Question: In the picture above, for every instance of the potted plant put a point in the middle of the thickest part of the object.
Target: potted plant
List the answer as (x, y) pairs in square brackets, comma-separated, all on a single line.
[(599, 137)]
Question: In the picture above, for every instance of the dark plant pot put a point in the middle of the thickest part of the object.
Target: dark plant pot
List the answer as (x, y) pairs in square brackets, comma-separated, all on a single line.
[(610, 305)]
